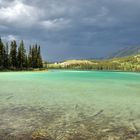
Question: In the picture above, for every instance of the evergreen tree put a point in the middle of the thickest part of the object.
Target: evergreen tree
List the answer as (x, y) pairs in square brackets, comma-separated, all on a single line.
[(21, 56), (19, 59), (6, 56), (13, 54), (1, 53), (39, 59), (33, 56), (26, 62), (30, 57)]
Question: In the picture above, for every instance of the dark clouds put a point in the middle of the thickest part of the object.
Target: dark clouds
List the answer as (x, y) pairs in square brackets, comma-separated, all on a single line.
[(72, 28)]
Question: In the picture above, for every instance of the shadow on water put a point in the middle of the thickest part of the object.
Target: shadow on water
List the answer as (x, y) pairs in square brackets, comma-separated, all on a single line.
[(60, 123)]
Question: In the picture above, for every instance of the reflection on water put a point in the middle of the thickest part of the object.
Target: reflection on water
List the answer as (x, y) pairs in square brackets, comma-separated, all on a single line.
[(87, 108)]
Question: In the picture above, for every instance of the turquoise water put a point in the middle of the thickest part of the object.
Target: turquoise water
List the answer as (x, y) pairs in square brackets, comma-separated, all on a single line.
[(70, 105)]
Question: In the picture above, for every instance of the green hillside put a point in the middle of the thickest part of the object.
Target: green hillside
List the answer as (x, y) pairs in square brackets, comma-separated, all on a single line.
[(130, 63)]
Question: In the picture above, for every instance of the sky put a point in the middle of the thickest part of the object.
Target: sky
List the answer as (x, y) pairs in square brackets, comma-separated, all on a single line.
[(72, 29)]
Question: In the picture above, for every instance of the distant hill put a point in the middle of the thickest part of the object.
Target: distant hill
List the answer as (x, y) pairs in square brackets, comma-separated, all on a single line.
[(128, 51), (127, 63)]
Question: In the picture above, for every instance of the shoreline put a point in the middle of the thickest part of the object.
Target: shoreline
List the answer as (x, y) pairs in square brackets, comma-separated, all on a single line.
[(92, 70), (33, 70), (46, 70)]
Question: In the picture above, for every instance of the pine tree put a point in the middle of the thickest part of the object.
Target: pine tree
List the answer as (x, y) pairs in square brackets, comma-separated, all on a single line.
[(6, 56), (30, 57), (26, 62), (39, 59), (35, 56), (19, 59), (21, 56), (1, 53), (13, 54)]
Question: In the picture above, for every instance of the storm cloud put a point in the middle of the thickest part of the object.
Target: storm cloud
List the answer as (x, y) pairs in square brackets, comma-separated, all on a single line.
[(68, 29)]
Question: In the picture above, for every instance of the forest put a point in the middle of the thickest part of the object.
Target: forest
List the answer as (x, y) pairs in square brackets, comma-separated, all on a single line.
[(16, 57)]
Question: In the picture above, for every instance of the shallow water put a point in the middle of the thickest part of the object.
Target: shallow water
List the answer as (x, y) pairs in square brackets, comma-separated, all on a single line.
[(69, 105)]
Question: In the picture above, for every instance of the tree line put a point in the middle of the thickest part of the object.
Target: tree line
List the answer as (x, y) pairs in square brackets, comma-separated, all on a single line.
[(15, 57), (130, 63)]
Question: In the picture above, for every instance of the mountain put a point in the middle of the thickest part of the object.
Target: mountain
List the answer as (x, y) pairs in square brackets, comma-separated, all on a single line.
[(128, 51)]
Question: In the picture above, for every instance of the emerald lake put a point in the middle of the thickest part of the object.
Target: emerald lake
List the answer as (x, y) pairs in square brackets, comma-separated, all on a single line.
[(69, 105)]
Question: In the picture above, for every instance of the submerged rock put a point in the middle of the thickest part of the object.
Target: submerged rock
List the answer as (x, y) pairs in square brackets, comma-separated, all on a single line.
[(40, 134)]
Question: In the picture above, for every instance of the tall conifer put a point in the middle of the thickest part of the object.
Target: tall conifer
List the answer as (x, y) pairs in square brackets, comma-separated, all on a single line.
[(13, 54), (1, 53), (21, 55)]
